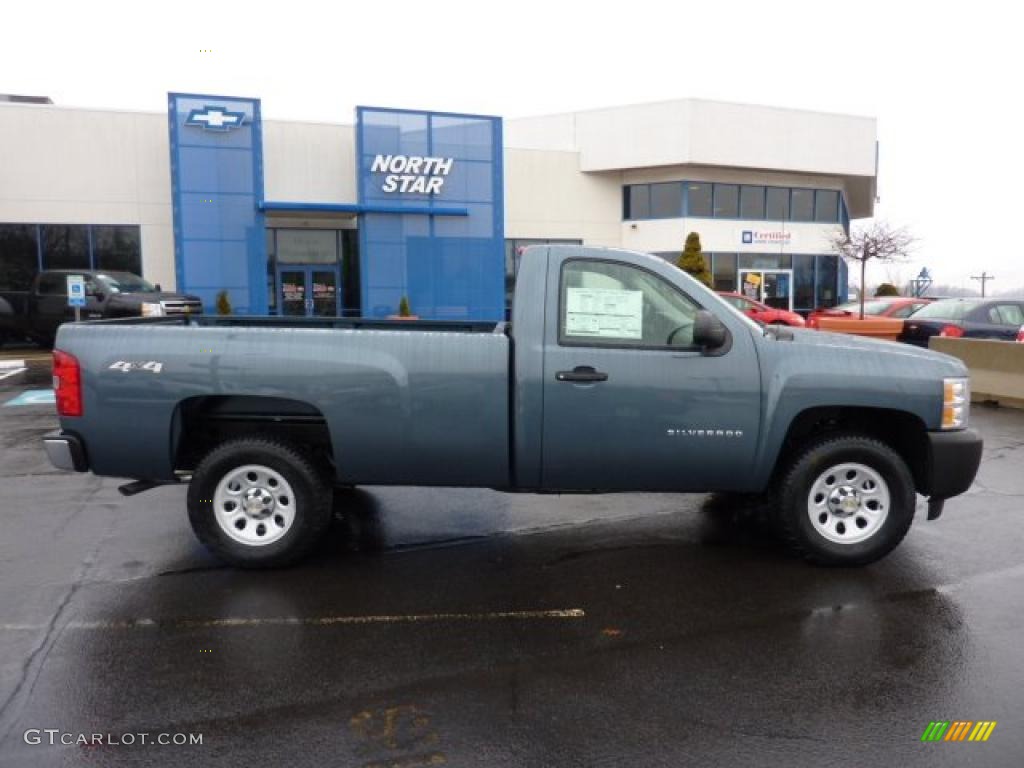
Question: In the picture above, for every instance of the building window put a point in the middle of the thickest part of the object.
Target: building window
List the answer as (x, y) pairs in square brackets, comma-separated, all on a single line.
[(777, 204), (803, 282), (727, 201), (698, 199), (653, 201), (307, 246), (65, 246), (271, 272), (117, 249), (723, 270), (826, 205), (802, 205), (827, 281), (765, 261), (666, 201), (637, 201), (351, 293), (24, 248), (751, 202), (19, 256)]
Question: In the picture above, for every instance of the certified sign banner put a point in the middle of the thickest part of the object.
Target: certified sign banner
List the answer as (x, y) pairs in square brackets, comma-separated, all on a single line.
[(765, 237), (412, 173)]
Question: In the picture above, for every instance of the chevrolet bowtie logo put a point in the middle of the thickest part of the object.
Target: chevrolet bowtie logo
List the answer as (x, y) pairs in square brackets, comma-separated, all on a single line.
[(215, 118)]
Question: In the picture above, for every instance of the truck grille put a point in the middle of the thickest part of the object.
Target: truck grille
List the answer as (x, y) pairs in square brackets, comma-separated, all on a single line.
[(183, 307)]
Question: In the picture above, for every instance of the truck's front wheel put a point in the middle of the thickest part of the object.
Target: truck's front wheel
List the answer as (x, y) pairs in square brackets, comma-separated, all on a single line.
[(846, 500), (258, 503)]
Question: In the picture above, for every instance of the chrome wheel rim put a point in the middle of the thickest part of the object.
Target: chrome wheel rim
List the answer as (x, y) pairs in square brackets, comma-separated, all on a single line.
[(848, 503), (254, 505)]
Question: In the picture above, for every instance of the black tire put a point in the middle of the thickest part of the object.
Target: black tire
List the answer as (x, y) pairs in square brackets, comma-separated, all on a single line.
[(794, 512), (310, 515)]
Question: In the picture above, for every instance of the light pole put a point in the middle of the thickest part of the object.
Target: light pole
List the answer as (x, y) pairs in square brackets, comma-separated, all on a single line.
[(984, 277)]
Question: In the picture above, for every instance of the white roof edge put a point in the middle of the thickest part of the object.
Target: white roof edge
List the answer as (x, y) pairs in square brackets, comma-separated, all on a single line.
[(154, 113), (724, 102), (123, 110)]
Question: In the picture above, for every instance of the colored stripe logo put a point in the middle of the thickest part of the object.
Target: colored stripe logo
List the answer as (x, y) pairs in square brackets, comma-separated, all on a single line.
[(958, 730)]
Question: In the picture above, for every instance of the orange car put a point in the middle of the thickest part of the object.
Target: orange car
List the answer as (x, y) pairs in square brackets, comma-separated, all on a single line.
[(883, 317)]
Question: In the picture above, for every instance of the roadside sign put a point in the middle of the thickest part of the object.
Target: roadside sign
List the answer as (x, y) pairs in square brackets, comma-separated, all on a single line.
[(76, 291)]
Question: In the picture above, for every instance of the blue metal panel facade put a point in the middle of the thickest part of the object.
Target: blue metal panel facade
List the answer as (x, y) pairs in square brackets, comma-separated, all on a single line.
[(450, 267), (217, 192)]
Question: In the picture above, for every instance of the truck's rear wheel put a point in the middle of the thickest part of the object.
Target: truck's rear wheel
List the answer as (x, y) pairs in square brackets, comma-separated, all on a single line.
[(258, 503), (846, 500)]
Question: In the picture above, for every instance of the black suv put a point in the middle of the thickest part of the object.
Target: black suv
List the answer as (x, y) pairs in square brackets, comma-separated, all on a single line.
[(38, 313)]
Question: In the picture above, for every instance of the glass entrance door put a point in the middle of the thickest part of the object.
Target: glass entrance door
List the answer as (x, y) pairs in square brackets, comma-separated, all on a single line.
[(324, 292), (293, 292), (773, 287), (308, 291)]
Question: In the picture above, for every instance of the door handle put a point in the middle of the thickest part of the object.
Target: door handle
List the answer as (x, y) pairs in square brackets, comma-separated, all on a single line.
[(581, 373)]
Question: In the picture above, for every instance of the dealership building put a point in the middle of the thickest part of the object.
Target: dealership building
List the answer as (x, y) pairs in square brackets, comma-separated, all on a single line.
[(305, 218)]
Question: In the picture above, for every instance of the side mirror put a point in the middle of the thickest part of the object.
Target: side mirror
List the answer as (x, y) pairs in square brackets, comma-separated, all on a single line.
[(708, 331), (158, 288)]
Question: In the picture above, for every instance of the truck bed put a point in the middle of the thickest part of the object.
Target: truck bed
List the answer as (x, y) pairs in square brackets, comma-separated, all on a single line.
[(422, 403)]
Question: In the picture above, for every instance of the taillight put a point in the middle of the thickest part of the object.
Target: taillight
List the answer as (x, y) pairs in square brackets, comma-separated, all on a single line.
[(67, 384), (1020, 335), (951, 331)]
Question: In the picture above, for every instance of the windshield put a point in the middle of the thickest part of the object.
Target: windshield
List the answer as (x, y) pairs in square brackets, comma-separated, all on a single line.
[(947, 309), (871, 307), (125, 282)]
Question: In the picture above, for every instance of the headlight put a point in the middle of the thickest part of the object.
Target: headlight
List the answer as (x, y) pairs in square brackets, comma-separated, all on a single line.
[(956, 402), (152, 309)]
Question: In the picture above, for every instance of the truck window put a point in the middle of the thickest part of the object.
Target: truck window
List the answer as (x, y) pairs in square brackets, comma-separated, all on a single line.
[(607, 303), (53, 285)]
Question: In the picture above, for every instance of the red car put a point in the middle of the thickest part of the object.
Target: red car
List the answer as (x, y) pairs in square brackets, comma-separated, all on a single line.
[(755, 310), (898, 307)]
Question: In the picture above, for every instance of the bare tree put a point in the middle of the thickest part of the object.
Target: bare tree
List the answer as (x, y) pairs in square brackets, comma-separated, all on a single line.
[(877, 241)]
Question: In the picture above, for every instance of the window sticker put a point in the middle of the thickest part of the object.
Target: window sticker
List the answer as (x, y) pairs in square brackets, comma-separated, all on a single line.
[(604, 313)]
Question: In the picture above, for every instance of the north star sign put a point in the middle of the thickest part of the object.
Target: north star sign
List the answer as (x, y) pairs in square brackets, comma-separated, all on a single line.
[(412, 173), (215, 118)]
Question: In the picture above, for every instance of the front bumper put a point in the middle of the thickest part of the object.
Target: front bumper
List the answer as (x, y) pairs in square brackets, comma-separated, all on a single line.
[(953, 460), (65, 451)]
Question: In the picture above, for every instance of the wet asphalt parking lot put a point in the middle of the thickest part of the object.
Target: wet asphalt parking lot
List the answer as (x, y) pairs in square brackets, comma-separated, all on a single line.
[(471, 628)]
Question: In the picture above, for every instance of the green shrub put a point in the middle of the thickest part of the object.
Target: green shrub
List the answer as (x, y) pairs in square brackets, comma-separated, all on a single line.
[(887, 289), (692, 260), (223, 303)]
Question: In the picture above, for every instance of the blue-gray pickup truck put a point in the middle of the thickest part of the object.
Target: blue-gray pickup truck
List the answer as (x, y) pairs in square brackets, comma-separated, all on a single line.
[(618, 372)]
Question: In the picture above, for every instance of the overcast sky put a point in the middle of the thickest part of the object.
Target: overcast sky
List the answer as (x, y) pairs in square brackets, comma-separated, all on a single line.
[(943, 79)]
